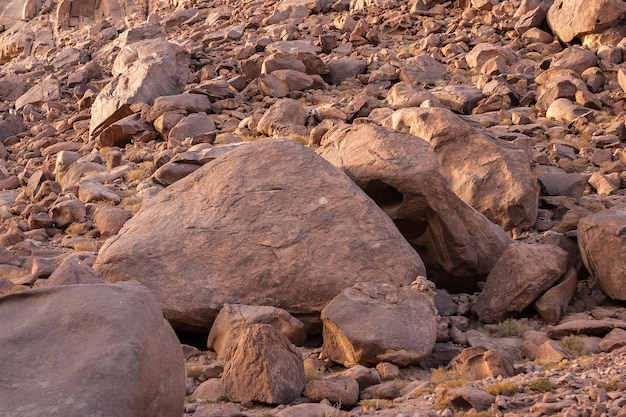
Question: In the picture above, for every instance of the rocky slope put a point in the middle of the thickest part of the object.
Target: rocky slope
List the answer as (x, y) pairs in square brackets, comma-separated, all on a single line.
[(402, 183)]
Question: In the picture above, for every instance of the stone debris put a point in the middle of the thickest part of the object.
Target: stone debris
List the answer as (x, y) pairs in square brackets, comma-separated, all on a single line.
[(399, 184)]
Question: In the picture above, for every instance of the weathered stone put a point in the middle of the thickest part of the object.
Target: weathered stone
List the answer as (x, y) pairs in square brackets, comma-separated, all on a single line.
[(569, 19), (422, 70), (480, 363), (337, 389), (401, 174), (588, 327), (72, 271), (552, 304), (458, 98), (178, 103), (283, 114), (537, 267), (550, 351), (602, 247), (193, 126), (90, 192), (575, 58), (142, 72), (269, 219), (467, 397), (565, 111), (386, 391), (491, 176), (362, 326), (10, 125), (123, 131), (109, 220), (263, 366), (531, 340), (67, 211), (233, 319), (364, 376), (211, 390), (615, 339), (341, 69), (87, 344), (47, 90)]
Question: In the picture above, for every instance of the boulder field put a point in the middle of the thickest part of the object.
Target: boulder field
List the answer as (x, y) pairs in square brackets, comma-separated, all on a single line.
[(312, 208)]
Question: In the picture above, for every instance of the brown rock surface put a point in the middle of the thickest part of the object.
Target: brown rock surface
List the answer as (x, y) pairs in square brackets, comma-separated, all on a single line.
[(112, 338), (280, 225), (372, 323), (402, 175), (263, 366), (521, 275), (502, 187), (602, 243)]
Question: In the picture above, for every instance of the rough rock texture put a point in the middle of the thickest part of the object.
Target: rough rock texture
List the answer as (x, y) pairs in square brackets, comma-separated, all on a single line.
[(298, 239), (373, 323), (569, 19), (522, 274), (263, 366), (234, 318), (111, 338), (602, 243), (490, 175), (142, 72), (402, 175)]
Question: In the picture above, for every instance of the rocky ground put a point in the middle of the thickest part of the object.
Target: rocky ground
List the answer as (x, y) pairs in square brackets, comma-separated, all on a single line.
[(483, 145)]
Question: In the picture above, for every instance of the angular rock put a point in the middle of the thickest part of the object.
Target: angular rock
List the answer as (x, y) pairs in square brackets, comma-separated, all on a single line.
[(233, 319), (576, 59), (569, 19), (401, 174), (458, 98), (602, 244), (615, 339), (142, 72), (552, 305), (263, 366), (72, 271), (480, 363), (368, 324), (364, 376), (422, 70), (282, 226), (550, 351), (102, 349), (522, 274), (285, 114), (337, 389), (491, 176), (342, 69), (109, 220), (47, 90), (196, 126)]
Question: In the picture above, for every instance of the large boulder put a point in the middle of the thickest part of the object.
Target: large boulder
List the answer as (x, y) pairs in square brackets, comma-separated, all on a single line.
[(142, 72), (400, 172), (236, 232), (492, 176), (521, 275), (98, 350), (263, 366), (602, 244), (570, 19), (372, 323)]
